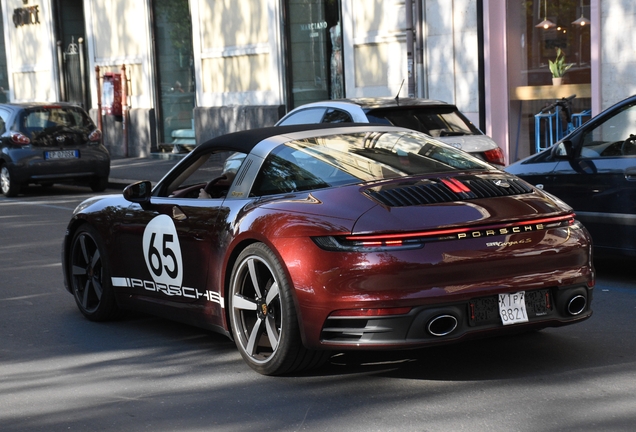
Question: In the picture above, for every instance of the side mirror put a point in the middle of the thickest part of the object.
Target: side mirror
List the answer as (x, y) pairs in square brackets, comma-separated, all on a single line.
[(138, 192), (563, 151)]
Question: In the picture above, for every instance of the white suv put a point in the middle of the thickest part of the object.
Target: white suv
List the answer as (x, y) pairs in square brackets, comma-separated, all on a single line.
[(438, 119)]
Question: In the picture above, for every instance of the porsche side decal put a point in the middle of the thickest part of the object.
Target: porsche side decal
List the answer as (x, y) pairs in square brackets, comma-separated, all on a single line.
[(169, 290), (162, 252)]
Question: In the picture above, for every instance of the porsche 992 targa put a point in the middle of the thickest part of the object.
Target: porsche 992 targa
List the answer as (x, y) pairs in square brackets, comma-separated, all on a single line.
[(304, 240)]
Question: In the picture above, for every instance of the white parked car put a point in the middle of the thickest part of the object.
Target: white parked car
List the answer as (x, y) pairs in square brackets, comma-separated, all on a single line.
[(438, 119)]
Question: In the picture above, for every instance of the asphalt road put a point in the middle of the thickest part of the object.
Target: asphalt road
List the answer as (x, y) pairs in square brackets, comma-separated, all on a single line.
[(60, 372)]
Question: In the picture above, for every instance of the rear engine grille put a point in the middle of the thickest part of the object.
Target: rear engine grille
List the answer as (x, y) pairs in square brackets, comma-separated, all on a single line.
[(441, 190)]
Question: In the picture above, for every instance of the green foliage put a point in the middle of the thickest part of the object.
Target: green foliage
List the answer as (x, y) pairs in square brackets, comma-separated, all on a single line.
[(559, 67)]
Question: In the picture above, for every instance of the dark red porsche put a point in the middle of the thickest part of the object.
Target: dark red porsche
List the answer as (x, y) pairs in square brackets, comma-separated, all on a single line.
[(297, 241)]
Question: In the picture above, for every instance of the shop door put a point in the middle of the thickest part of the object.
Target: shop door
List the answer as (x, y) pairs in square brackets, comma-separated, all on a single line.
[(313, 51), (70, 33), (174, 63)]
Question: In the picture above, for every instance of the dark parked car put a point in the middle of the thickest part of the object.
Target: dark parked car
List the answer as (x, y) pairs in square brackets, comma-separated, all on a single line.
[(50, 143), (438, 119), (593, 169), (295, 241)]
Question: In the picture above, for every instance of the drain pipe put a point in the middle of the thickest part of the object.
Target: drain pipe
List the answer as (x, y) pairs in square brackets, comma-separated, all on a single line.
[(420, 26), (60, 69), (99, 99), (124, 107), (409, 46)]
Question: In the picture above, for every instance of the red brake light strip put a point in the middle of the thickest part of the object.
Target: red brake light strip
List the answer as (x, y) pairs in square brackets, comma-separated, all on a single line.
[(450, 231)]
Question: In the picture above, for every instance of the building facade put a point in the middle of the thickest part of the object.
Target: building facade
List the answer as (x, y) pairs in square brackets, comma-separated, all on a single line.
[(193, 69)]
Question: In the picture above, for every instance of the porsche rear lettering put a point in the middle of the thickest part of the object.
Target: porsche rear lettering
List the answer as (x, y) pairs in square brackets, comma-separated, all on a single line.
[(500, 231)]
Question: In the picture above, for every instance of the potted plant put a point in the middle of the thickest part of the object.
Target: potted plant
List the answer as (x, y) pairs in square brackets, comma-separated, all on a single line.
[(559, 67)]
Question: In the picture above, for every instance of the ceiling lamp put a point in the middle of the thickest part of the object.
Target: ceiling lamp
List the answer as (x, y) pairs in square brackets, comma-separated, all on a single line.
[(582, 22), (546, 23)]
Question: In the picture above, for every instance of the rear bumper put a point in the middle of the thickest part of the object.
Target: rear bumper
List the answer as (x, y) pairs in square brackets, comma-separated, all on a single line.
[(440, 324), (33, 168), (439, 279)]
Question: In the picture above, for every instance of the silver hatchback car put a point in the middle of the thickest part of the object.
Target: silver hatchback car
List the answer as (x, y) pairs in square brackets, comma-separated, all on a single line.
[(441, 120)]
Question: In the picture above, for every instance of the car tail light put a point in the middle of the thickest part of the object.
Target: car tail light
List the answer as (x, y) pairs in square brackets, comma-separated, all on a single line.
[(417, 239), (371, 312), (94, 136), (20, 139), (495, 156)]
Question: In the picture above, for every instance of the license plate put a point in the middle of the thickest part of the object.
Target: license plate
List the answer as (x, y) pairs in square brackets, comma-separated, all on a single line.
[(61, 154), (512, 308)]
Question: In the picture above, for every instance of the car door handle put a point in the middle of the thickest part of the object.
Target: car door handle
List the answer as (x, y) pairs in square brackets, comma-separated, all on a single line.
[(630, 174)]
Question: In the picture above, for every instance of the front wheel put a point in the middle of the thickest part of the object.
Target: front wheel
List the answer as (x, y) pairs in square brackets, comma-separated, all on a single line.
[(89, 275), (9, 187), (263, 317)]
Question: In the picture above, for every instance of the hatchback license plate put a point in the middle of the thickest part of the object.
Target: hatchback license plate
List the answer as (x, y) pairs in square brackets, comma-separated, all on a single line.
[(512, 308), (61, 154)]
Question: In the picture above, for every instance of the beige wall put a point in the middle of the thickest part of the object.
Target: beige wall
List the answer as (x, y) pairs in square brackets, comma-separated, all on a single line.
[(374, 47), (617, 56), (118, 33), (30, 52), (119, 28), (236, 51), (452, 54)]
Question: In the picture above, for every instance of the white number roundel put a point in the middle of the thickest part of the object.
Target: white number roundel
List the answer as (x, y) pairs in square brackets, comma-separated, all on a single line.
[(163, 252)]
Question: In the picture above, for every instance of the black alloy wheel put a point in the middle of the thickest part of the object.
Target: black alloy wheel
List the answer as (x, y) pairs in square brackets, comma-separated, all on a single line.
[(263, 317), (90, 276)]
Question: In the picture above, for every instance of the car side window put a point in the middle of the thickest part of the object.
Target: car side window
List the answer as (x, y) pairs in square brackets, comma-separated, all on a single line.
[(4, 119), (305, 116), (337, 116), (614, 137), (212, 173)]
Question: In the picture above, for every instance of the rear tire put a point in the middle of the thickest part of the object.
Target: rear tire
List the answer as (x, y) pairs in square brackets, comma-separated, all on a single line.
[(264, 321), (89, 275), (9, 187), (99, 184)]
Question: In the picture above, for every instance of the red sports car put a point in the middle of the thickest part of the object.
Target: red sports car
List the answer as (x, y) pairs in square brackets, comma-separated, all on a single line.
[(301, 240)]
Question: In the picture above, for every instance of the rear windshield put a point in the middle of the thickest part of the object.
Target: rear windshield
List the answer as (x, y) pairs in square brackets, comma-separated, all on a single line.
[(338, 160), (436, 121), (35, 120)]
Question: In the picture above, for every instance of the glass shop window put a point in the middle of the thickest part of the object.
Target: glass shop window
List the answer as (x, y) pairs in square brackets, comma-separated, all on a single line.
[(546, 40)]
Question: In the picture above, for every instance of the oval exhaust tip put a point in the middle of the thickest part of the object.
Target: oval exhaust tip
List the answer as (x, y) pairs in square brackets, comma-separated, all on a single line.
[(442, 325), (577, 304)]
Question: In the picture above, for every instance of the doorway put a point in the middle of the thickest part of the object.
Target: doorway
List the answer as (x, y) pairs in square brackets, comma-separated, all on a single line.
[(70, 33), (313, 51)]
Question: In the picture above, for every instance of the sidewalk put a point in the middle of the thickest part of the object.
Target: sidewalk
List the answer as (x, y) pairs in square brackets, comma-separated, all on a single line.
[(125, 171)]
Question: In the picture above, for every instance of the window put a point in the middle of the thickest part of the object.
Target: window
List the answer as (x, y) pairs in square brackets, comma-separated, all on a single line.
[(614, 137), (337, 116), (175, 68), (531, 47), (213, 172), (314, 51), (339, 160), (305, 116)]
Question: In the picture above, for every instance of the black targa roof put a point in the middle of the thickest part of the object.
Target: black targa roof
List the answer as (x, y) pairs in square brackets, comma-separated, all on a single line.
[(245, 141)]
